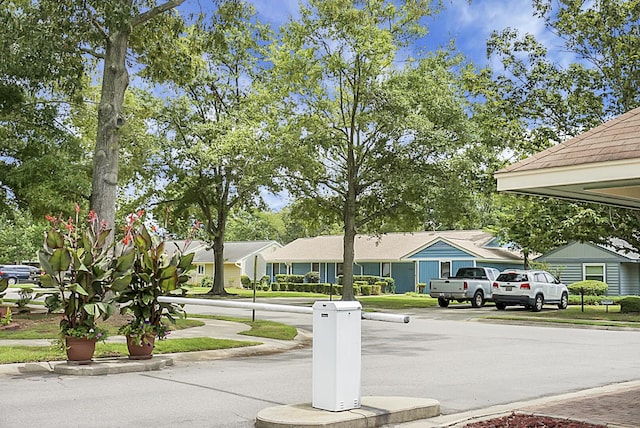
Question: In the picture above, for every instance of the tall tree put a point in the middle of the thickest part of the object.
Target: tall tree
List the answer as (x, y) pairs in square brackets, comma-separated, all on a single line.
[(70, 37), (552, 102), (217, 157), (368, 136)]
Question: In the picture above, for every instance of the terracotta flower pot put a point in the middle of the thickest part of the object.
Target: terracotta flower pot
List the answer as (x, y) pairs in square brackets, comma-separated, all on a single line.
[(141, 352), (80, 350)]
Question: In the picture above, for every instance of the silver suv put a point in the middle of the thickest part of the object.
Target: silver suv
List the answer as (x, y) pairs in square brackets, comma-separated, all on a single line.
[(529, 288)]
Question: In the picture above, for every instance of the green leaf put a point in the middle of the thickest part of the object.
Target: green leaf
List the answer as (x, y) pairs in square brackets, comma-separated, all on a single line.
[(54, 239), (168, 284), (90, 308), (79, 289), (60, 260), (121, 284), (125, 261), (185, 261)]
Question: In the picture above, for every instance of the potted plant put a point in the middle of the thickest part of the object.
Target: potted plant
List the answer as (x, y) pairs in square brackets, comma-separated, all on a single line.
[(80, 264), (156, 271)]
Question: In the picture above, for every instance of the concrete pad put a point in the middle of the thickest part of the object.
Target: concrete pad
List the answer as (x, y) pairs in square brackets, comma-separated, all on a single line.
[(104, 366), (375, 412)]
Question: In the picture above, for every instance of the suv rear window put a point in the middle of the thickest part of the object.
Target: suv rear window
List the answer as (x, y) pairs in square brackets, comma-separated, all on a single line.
[(512, 277)]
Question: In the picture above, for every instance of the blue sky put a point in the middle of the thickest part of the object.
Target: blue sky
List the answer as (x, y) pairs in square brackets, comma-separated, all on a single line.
[(470, 24)]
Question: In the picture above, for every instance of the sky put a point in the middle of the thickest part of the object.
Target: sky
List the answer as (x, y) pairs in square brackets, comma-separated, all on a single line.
[(469, 23)]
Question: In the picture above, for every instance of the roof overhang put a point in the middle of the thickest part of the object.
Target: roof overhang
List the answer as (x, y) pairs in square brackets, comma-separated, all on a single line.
[(613, 183)]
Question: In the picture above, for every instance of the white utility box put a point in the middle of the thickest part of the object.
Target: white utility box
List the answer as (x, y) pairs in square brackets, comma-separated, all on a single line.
[(336, 355)]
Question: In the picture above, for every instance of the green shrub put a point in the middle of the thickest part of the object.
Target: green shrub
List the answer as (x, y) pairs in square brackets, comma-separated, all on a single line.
[(245, 281), (391, 285), (265, 280), (275, 286), (206, 282), (592, 300), (630, 304), (589, 288), (369, 279), (312, 277), (375, 289), (421, 287), (382, 286), (366, 289), (281, 277), (298, 279)]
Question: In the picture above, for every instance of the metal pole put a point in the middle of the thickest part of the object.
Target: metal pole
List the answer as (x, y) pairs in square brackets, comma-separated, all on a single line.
[(372, 316), (255, 269)]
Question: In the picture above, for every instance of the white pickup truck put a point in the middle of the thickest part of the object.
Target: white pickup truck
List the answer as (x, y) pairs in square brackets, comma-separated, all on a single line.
[(470, 284)]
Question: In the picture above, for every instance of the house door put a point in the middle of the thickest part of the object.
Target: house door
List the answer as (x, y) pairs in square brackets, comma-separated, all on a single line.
[(405, 276)]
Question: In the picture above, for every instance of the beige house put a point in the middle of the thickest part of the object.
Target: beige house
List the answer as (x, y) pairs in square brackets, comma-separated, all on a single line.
[(602, 165), (239, 259)]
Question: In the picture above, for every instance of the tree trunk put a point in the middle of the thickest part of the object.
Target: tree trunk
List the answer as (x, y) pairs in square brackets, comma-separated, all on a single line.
[(525, 254), (349, 232), (218, 254), (115, 80)]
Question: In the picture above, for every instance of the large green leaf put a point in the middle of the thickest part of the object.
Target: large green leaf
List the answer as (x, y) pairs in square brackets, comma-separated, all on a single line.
[(121, 284), (185, 261), (79, 289), (125, 261), (60, 260), (168, 284), (54, 239)]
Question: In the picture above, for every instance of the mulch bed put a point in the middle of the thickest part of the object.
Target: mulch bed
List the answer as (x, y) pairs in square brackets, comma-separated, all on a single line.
[(517, 420)]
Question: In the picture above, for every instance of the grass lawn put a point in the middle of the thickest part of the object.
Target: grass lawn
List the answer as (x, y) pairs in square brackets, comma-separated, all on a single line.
[(45, 326), (23, 354)]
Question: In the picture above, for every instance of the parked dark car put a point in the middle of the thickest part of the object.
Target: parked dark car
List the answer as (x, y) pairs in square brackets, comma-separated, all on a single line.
[(16, 274)]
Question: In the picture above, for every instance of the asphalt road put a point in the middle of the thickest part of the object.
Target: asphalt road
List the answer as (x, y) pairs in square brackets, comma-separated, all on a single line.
[(442, 354)]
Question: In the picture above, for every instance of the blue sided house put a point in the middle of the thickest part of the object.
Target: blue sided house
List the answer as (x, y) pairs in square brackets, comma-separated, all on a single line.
[(617, 264), (408, 258)]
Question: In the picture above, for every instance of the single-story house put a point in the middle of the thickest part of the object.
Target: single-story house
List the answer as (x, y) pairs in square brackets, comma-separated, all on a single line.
[(239, 259), (577, 261), (408, 258)]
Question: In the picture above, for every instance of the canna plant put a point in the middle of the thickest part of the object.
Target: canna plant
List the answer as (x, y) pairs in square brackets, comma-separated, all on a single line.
[(156, 271), (81, 265)]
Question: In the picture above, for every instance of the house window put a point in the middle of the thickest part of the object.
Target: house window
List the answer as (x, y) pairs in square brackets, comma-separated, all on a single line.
[(386, 269), (200, 269), (594, 271), (315, 267), (339, 269), (278, 268), (445, 269)]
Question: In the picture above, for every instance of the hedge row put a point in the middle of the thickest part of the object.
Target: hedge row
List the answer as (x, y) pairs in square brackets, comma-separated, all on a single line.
[(589, 288), (325, 288), (630, 304)]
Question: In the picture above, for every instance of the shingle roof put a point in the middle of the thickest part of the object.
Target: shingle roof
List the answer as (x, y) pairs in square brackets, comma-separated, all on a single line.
[(233, 251), (616, 139), (387, 247)]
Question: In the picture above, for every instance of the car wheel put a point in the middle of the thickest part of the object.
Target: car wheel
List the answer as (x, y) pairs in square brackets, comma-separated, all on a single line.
[(500, 306), (537, 306), (11, 281), (478, 299), (442, 302), (564, 301)]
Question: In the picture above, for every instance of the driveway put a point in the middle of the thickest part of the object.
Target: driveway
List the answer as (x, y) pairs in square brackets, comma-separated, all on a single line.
[(442, 354)]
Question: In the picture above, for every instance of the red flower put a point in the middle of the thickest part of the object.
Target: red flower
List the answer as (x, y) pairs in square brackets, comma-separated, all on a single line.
[(77, 207), (92, 216), (50, 219)]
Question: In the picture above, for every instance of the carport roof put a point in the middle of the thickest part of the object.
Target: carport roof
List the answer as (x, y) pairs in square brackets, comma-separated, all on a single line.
[(600, 165)]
